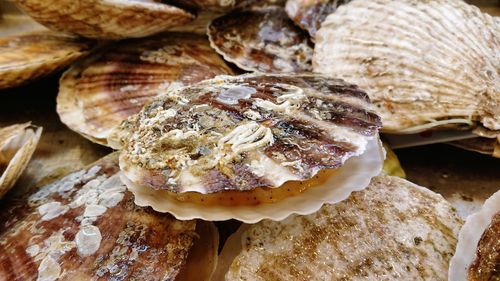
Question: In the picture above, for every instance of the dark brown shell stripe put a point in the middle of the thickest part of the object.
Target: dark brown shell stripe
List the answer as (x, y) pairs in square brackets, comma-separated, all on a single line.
[(302, 144), (261, 39), (137, 243)]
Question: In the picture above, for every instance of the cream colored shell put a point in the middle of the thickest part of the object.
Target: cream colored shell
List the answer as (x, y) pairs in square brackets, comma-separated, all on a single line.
[(105, 19), (424, 63), (17, 144)]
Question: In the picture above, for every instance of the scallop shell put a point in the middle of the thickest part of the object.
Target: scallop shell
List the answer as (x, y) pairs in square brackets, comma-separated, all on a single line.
[(479, 228), (309, 14), (243, 132), (425, 64), (85, 226), (392, 230), (17, 144), (489, 146), (106, 19), (261, 39), (97, 93), (30, 56)]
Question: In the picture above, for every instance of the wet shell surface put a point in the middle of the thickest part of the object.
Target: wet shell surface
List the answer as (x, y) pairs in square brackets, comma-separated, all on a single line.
[(243, 132), (261, 39), (309, 14), (392, 230), (477, 256), (425, 64), (17, 145), (86, 226), (106, 19), (99, 92), (30, 56)]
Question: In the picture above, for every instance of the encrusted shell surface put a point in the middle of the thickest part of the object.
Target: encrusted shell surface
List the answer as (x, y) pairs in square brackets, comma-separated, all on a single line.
[(86, 226), (243, 132), (309, 14), (29, 56), (106, 19), (471, 249), (425, 64), (17, 144), (99, 92), (392, 230), (261, 39)]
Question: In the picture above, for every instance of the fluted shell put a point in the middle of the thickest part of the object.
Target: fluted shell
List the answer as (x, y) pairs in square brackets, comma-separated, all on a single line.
[(30, 56), (477, 255), (244, 132), (17, 144), (106, 19), (261, 39), (392, 230), (489, 146), (425, 64), (309, 14), (99, 92), (86, 226)]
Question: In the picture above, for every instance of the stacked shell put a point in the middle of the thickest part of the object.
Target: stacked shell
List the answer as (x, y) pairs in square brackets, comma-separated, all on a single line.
[(425, 64)]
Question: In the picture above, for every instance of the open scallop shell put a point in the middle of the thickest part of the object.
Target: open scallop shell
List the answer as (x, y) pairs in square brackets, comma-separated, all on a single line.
[(392, 230), (261, 39), (17, 144), (470, 236), (86, 226), (99, 92), (106, 19), (354, 175), (309, 14), (425, 64), (29, 56), (245, 132)]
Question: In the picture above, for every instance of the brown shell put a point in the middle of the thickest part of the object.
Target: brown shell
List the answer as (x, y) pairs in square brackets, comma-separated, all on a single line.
[(96, 94), (309, 14), (392, 230), (17, 145), (86, 226), (105, 19), (490, 146), (243, 132), (261, 39), (487, 262), (30, 56)]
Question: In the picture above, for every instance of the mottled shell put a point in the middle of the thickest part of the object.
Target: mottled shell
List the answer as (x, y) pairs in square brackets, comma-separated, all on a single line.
[(98, 93), (17, 144), (489, 146), (425, 64), (393, 230), (105, 19), (86, 226), (477, 255), (30, 56), (212, 5), (309, 14), (243, 132), (261, 39)]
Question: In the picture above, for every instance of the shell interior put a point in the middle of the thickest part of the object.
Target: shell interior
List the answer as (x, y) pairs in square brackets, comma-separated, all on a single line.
[(17, 145), (99, 92), (29, 56), (261, 39), (392, 230), (243, 132), (426, 65)]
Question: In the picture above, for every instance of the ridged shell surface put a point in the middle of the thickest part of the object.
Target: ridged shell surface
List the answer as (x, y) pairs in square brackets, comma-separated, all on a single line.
[(30, 56), (392, 230), (489, 146), (105, 19), (99, 92), (261, 39), (309, 14), (243, 132), (86, 227), (425, 64), (17, 145)]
